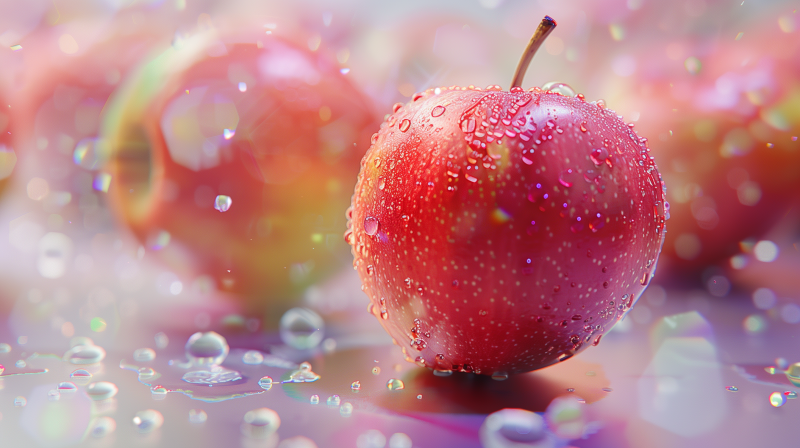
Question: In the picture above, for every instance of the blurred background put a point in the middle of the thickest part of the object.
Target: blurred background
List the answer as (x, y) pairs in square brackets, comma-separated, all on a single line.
[(175, 166)]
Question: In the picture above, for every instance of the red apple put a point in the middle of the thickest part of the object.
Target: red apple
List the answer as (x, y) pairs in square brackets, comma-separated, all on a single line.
[(504, 231), (277, 129)]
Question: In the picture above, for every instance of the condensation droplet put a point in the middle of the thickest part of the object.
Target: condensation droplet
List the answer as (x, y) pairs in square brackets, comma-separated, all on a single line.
[(395, 384), (223, 203), (260, 423), (252, 357), (101, 390), (404, 125), (265, 383), (302, 328), (437, 111), (371, 225), (559, 87), (148, 420)]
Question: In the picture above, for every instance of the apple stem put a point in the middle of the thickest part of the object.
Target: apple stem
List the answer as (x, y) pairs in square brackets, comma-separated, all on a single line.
[(542, 31)]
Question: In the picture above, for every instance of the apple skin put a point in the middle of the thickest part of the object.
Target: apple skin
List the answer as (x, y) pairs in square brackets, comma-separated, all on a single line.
[(468, 265), (289, 167)]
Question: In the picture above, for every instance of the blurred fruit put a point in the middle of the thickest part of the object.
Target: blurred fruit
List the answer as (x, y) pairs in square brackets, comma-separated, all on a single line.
[(498, 232), (278, 131)]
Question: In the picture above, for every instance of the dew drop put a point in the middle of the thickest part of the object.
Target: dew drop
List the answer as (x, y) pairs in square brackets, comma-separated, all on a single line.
[(206, 348), (21, 364), (67, 387), (334, 401), (223, 203), (404, 125), (355, 386), (314, 399), (260, 423), (376, 370), (559, 87), (583, 126), (53, 395), (395, 384), (777, 399), (84, 354), (81, 376), (437, 111), (265, 383), (252, 357), (732, 388), (468, 124), (346, 410), (302, 328), (303, 374), (20, 402), (500, 376), (514, 428), (144, 355), (101, 390), (371, 225)]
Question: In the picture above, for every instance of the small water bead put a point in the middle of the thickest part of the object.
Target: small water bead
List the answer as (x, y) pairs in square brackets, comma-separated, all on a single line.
[(777, 399), (346, 410), (146, 373), (101, 390), (371, 225), (148, 420), (144, 355), (206, 348), (500, 376), (5, 348), (395, 384), (437, 111), (223, 203), (302, 328), (252, 357), (211, 377), (303, 374), (265, 383), (159, 392), (197, 416), (161, 340), (355, 386), (732, 388), (21, 364), (400, 440), (334, 401), (790, 394), (20, 402), (514, 428), (102, 427), (376, 370), (81, 376), (419, 397), (84, 354), (314, 399), (67, 387), (559, 87), (405, 125)]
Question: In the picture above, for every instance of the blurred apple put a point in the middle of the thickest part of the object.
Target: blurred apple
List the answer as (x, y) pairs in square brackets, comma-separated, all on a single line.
[(235, 157)]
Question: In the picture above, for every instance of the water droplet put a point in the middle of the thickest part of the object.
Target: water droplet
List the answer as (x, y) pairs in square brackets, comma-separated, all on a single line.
[(197, 416), (243, 86), (252, 357), (228, 133), (206, 348), (223, 203), (371, 225), (21, 364), (777, 399), (314, 399), (599, 156), (102, 427), (790, 394), (583, 126), (356, 386), (559, 87), (81, 376), (20, 402), (395, 384), (215, 375), (437, 111), (265, 383), (148, 420), (565, 178), (84, 354), (376, 370), (404, 125), (346, 410), (608, 389), (334, 400), (159, 392), (468, 124), (144, 354), (5, 348), (67, 387), (260, 423), (101, 390), (303, 374), (514, 427), (732, 388), (301, 328), (500, 376)]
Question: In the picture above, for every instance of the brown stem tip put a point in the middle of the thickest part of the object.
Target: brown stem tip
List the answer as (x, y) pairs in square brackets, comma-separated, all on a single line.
[(542, 31)]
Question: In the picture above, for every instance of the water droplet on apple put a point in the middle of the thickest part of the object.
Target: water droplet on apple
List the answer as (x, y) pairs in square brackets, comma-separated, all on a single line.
[(437, 111), (468, 124), (371, 225), (405, 124), (559, 87), (395, 384)]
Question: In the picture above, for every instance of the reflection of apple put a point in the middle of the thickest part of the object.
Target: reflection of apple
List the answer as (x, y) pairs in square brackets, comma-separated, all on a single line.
[(499, 231), (278, 130), (721, 116)]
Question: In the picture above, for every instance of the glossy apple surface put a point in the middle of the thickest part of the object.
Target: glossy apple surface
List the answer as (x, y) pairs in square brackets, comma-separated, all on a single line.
[(500, 231), (276, 129)]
